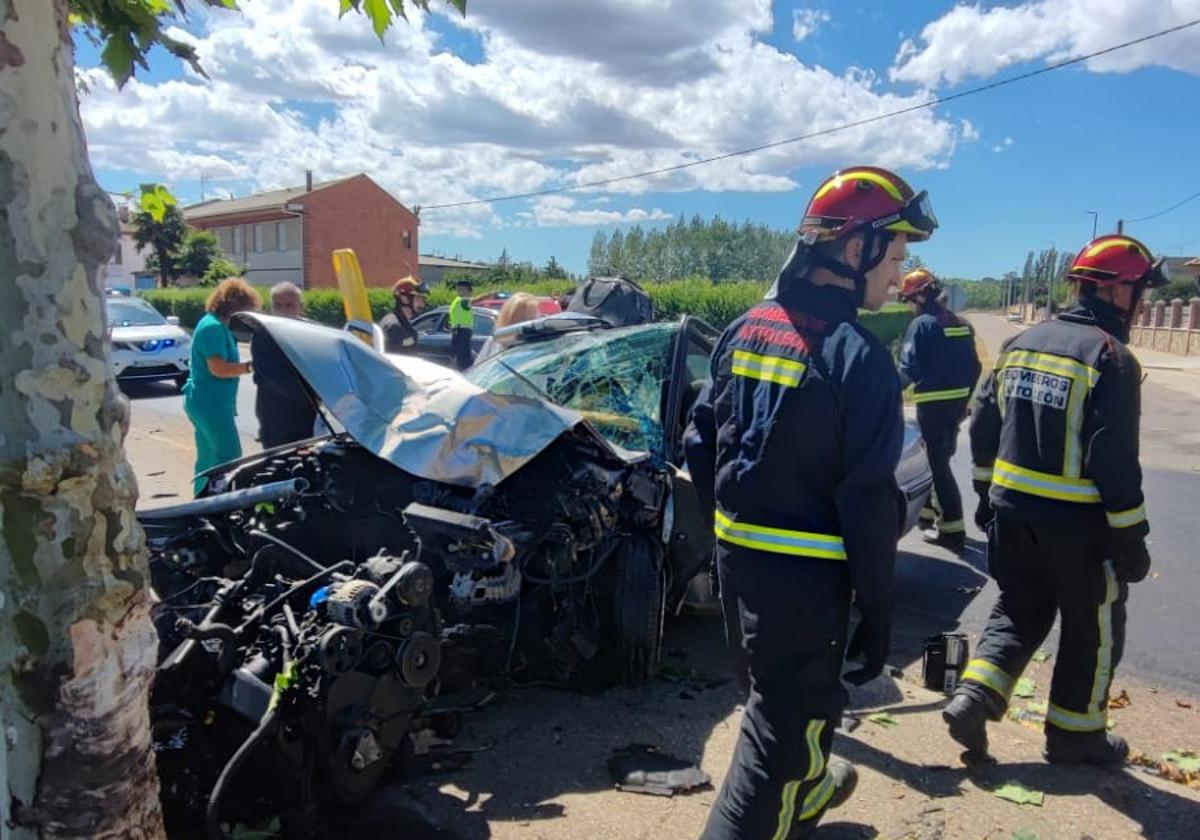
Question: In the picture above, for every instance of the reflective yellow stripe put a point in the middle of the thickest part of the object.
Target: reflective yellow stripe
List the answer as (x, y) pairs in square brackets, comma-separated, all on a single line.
[(817, 799), (860, 175), (1098, 704), (953, 526), (982, 474), (956, 332), (938, 396), (1126, 518), (816, 766), (1048, 486), (1074, 721), (779, 540), (985, 673), (1121, 242), (775, 369), (1050, 363)]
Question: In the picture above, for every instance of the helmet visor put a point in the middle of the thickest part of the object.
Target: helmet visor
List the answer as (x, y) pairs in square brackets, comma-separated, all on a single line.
[(1158, 275), (916, 218)]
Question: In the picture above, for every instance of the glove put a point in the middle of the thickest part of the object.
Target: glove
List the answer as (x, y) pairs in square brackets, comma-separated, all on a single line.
[(983, 512), (1132, 562), (871, 641)]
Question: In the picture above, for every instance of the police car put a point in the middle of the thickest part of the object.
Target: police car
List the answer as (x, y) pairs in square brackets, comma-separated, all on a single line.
[(146, 346)]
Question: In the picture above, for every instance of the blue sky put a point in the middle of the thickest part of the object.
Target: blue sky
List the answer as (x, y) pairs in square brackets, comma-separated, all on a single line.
[(517, 98)]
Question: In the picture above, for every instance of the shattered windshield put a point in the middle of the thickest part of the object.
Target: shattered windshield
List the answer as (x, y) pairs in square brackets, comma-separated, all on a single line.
[(614, 378)]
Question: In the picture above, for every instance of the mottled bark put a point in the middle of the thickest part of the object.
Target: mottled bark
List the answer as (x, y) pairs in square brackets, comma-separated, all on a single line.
[(77, 648)]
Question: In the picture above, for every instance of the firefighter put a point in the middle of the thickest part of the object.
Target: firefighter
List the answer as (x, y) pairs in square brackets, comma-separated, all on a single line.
[(794, 444), (940, 361), (1054, 440), (399, 335)]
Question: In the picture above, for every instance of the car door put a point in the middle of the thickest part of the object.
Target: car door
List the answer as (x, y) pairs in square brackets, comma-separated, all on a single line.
[(690, 544), (433, 337)]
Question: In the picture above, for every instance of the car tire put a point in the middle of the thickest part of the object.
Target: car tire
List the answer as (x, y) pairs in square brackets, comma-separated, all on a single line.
[(180, 381), (638, 607)]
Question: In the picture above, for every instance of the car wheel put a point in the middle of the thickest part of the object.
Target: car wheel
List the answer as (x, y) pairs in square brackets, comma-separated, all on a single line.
[(180, 381), (637, 610)]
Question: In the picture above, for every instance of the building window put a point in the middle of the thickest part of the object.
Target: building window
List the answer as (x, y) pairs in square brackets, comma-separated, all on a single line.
[(258, 239), (237, 240), (281, 235), (408, 239)]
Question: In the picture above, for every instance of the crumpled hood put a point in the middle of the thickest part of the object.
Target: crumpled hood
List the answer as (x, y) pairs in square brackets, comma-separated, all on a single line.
[(424, 418)]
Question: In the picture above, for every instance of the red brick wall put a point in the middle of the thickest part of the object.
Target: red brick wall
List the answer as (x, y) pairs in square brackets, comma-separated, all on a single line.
[(359, 214)]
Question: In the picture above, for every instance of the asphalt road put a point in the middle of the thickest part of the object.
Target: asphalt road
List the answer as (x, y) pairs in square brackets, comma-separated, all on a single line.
[(938, 591)]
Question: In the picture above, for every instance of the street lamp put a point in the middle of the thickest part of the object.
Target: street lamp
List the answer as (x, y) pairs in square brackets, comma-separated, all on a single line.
[(1095, 218)]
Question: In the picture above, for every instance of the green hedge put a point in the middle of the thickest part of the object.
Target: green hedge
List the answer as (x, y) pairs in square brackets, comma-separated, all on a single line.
[(716, 303)]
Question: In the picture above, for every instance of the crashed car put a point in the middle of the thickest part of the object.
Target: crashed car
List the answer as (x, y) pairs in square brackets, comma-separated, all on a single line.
[(316, 598), (637, 385)]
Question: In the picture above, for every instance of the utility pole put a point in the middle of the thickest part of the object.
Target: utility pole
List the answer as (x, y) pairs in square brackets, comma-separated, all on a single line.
[(1120, 226), (1095, 219)]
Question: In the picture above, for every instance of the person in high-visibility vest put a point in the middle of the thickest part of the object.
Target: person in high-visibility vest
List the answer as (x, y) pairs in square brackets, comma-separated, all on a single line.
[(1054, 439), (462, 325), (793, 445), (939, 360)]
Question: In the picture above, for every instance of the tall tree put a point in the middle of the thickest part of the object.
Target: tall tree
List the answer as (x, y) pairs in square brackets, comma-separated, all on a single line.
[(77, 643), (164, 237), (598, 255), (197, 253), (553, 270)]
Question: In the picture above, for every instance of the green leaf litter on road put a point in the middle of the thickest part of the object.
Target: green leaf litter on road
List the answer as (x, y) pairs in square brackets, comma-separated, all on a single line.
[(1025, 688), (1018, 793), (1185, 760), (883, 719), (1024, 834), (1041, 656)]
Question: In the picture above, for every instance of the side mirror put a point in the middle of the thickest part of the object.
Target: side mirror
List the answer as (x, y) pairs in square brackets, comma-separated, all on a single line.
[(173, 320)]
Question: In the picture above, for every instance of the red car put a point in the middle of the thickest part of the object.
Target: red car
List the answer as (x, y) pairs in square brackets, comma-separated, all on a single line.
[(546, 305)]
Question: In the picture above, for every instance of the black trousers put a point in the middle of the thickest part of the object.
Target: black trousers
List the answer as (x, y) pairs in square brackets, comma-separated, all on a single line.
[(1043, 573), (460, 346), (939, 424), (790, 618)]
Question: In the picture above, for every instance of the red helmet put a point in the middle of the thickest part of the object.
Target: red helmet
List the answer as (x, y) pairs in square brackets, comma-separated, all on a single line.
[(1115, 260), (917, 281), (867, 196)]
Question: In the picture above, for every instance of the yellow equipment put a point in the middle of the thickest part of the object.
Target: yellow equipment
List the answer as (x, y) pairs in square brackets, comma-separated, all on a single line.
[(354, 293)]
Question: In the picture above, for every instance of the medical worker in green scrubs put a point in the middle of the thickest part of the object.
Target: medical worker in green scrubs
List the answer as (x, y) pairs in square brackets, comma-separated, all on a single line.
[(210, 395)]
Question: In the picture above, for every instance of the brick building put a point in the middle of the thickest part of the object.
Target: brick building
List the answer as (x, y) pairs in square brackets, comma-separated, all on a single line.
[(291, 234)]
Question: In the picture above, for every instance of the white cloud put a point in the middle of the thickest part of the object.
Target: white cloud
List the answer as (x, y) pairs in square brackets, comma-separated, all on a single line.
[(561, 211), (565, 93), (974, 42), (1003, 146), (806, 22), (968, 132)]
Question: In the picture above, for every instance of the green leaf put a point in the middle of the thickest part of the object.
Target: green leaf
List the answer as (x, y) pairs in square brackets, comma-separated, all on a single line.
[(1040, 707), (380, 14), (883, 719), (345, 6), (1185, 760), (118, 56), (1025, 688), (1024, 834), (461, 5), (1041, 656), (1018, 793), (155, 200)]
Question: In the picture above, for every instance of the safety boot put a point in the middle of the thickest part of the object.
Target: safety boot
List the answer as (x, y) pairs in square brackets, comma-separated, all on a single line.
[(1063, 747), (956, 541), (845, 779), (967, 716)]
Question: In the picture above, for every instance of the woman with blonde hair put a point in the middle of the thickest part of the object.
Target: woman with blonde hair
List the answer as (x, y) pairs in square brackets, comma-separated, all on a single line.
[(210, 395), (518, 309)]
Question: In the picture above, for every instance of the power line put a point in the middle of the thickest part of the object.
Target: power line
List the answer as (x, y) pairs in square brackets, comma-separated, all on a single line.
[(931, 103), (1191, 197)]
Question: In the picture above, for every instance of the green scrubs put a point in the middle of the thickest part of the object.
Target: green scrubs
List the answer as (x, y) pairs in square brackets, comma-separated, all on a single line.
[(211, 403)]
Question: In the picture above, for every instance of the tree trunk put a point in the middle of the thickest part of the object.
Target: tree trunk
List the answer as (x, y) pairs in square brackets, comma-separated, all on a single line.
[(77, 648)]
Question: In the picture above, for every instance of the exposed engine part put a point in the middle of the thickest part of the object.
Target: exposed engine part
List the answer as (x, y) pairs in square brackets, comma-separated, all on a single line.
[(419, 659), (349, 603), (497, 589), (277, 492)]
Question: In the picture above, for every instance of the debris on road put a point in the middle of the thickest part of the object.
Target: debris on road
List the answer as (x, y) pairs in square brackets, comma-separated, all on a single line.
[(883, 719), (642, 768), (1121, 701), (1018, 793), (1041, 656), (1025, 688)]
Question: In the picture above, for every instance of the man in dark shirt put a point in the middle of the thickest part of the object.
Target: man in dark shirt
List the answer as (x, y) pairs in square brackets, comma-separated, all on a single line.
[(399, 336), (284, 408)]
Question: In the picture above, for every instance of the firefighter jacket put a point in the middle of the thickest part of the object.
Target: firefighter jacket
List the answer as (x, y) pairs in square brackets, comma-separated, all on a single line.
[(795, 439), (1055, 430), (939, 358)]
